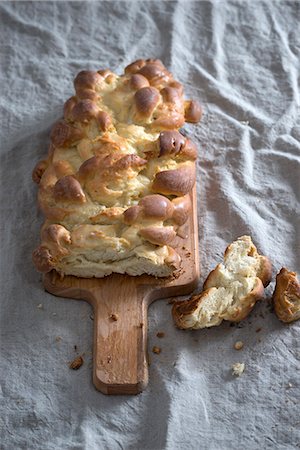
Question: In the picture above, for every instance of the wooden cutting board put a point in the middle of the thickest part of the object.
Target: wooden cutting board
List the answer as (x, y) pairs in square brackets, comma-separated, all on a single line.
[(120, 346)]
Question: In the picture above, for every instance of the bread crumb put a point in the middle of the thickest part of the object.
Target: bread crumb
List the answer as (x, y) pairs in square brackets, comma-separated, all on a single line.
[(239, 345), (54, 314), (58, 338), (114, 317), (40, 306), (238, 369), (156, 350), (289, 385), (160, 334), (76, 363)]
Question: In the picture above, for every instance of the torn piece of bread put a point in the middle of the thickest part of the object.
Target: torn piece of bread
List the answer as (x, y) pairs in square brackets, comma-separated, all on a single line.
[(286, 296), (116, 185), (230, 291)]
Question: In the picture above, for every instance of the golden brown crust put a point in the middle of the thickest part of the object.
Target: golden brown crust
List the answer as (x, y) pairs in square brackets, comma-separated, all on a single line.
[(152, 69), (104, 121), (135, 66), (193, 111), (55, 239), (265, 272), (286, 296), (182, 209), (68, 108), (158, 235), (137, 81), (64, 134), (173, 259), (170, 142), (68, 189), (39, 170), (84, 111), (128, 161), (175, 182), (42, 259), (146, 100), (159, 208), (114, 159), (87, 79), (154, 207)]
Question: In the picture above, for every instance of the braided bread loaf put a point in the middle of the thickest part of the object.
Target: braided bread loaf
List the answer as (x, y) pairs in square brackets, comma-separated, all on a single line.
[(115, 186)]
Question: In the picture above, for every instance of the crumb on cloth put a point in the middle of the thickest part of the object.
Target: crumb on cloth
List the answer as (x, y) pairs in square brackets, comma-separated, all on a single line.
[(238, 369), (238, 345), (156, 350), (160, 334), (76, 363)]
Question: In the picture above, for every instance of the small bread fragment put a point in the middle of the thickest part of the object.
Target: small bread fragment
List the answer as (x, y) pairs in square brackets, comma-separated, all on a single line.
[(239, 345), (238, 369), (76, 363), (286, 296), (230, 290)]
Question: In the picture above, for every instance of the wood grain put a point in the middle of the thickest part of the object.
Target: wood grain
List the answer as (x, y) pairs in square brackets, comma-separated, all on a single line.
[(120, 305)]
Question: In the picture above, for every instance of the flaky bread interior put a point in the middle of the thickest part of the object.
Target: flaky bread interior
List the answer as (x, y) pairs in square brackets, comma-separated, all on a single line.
[(115, 187), (230, 291), (286, 296)]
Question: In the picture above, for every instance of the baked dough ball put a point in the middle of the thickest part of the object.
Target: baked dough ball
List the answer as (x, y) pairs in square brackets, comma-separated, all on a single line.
[(230, 291), (286, 296), (116, 184)]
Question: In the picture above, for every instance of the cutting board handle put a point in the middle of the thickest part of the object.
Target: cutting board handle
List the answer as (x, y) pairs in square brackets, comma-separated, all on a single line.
[(120, 336)]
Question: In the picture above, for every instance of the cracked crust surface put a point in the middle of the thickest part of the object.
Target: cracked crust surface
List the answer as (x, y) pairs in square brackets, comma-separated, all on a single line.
[(118, 175), (230, 290), (286, 296)]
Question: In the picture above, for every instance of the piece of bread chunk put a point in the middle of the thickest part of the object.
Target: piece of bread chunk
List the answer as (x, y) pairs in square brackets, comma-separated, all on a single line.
[(286, 296), (116, 185), (230, 291)]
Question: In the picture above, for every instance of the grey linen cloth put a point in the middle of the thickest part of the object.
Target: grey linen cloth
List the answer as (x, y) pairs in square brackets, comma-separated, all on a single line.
[(241, 60)]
